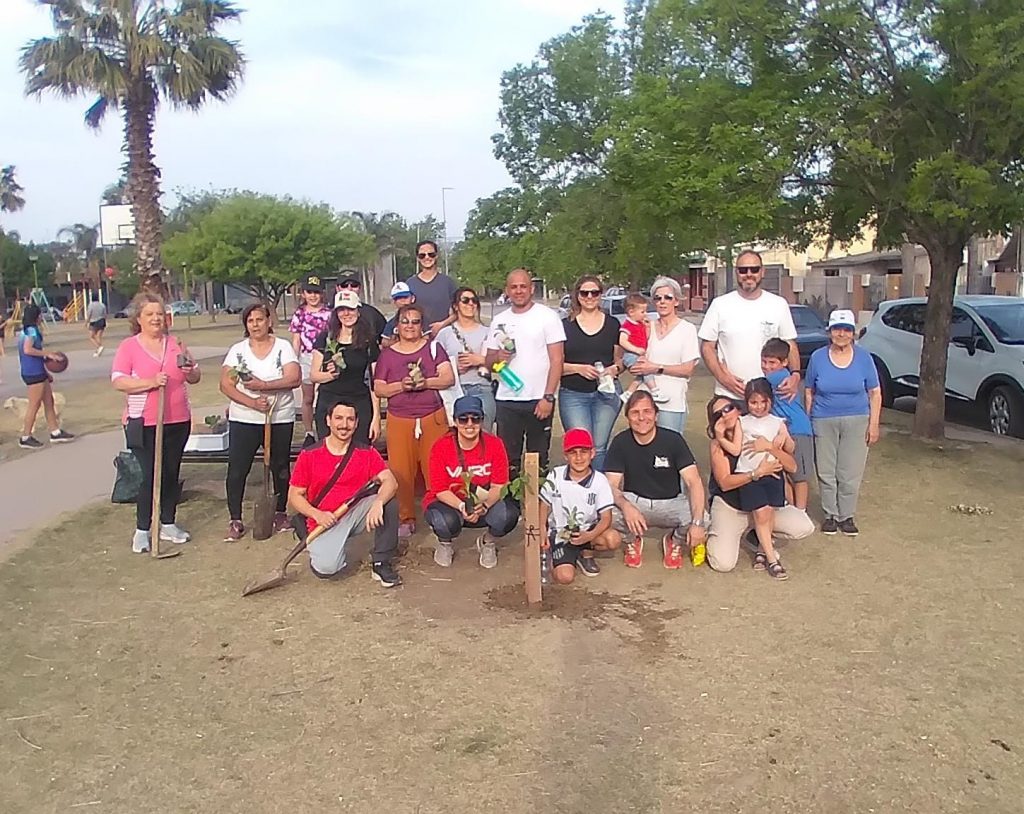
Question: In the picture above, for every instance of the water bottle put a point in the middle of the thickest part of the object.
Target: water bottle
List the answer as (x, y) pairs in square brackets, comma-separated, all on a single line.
[(605, 382), (508, 376)]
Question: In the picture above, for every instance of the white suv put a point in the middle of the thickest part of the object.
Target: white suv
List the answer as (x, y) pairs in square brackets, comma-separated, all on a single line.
[(985, 357)]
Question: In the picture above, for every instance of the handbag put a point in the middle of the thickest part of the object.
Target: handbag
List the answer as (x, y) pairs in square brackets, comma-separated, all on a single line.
[(299, 520), (127, 478)]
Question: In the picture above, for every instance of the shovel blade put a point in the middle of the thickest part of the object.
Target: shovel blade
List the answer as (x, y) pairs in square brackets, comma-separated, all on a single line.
[(263, 518), (264, 583)]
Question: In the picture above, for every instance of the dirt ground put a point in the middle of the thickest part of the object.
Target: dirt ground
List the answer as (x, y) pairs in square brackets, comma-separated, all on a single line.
[(884, 676)]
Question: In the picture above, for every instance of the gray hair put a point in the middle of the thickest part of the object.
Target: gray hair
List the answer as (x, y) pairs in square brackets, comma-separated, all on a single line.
[(667, 282)]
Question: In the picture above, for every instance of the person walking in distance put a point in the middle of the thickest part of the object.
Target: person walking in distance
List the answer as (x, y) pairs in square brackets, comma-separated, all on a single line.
[(529, 339), (737, 325), (433, 289), (96, 316), (309, 321), (38, 380)]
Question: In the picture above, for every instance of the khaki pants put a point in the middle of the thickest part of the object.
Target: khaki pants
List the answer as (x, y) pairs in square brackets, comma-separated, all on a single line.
[(408, 454), (728, 526)]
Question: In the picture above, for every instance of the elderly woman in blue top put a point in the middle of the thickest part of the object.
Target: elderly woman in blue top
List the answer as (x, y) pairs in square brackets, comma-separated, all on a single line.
[(844, 401)]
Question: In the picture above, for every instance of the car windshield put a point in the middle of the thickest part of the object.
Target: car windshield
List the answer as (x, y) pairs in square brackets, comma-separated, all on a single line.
[(1006, 321), (806, 319)]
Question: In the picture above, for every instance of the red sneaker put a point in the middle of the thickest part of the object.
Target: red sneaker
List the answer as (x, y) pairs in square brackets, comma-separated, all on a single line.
[(673, 552), (634, 555)]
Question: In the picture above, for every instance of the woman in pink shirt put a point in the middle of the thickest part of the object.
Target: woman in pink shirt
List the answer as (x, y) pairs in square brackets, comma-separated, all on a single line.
[(144, 362)]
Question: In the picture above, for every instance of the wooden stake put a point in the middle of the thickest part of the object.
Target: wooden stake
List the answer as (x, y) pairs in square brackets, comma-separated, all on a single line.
[(531, 511)]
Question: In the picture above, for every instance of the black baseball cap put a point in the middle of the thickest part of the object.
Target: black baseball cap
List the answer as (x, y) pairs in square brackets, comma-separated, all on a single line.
[(313, 282), (349, 277)]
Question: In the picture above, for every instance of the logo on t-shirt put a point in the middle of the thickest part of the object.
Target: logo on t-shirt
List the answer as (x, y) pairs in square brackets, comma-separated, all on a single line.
[(591, 499), (661, 462), (476, 470)]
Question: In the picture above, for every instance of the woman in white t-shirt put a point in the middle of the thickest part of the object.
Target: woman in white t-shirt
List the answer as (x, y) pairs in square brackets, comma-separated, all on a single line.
[(672, 354), (259, 375)]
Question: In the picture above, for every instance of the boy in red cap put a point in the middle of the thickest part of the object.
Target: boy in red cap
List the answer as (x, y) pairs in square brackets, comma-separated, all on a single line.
[(576, 509)]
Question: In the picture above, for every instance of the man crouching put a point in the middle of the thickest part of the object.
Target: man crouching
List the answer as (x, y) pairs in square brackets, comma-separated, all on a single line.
[(328, 474)]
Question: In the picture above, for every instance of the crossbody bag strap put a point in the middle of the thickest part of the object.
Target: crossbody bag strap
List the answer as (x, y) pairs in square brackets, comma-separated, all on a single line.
[(337, 474)]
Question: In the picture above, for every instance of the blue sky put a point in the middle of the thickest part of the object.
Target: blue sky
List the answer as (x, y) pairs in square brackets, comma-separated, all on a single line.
[(364, 105)]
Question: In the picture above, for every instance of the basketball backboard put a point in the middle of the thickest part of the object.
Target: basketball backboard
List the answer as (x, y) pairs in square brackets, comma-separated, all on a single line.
[(117, 226)]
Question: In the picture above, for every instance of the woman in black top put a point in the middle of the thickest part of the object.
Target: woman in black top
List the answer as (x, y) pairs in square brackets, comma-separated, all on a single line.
[(343, 360), (589, 395)]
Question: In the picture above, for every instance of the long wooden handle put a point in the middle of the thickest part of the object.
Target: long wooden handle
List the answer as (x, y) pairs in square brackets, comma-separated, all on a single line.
[(266, 440), (158, 474)]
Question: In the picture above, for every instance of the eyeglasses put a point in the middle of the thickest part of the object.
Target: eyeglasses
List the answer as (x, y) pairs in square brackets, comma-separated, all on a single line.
[(410, 321), (664, 297), (717, 414), (469, 300), (422, 255), (348, 284), (747, 269), (590, 292), (469, 419)]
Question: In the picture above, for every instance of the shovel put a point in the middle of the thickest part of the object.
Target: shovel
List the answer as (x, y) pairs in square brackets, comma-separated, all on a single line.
[(266, 503), (158, 479), (277, 576)]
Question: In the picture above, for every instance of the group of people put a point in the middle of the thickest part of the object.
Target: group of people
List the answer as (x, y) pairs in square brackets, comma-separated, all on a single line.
[(465, 400)]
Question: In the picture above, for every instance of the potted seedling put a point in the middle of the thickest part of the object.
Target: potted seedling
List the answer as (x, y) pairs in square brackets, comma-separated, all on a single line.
[(416, 374), (333, 353), (470, 500), (240, 372), (505, 342), (573, 525), (215, 423)]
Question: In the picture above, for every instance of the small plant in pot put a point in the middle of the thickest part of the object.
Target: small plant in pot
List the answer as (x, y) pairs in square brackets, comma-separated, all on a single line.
[(416, 374), (470, 501), (216, 423), (573, 525), (240, 371), (333, 353)]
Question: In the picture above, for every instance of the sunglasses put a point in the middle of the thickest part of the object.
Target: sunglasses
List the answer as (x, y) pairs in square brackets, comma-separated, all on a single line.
[(410, 321), (423, 255), (747, 269), (590, 292), (717, 414), (469, 300), (348, 284), (469, 419), (664, 297)]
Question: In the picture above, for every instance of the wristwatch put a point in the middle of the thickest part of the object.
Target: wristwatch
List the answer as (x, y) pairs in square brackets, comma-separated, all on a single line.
[(698, 523), (661, 371), (549, 397)]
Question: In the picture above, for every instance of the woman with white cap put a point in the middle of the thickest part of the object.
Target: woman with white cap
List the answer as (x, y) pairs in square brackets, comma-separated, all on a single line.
[(844, 401)]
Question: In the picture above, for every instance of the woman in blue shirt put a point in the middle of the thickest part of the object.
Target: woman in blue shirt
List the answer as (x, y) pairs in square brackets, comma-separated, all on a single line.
[(38, 381), (844, 401)]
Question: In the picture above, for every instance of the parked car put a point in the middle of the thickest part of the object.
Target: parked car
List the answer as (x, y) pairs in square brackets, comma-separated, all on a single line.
[(615, 305), (185, 308), (985, 361), (563, 307), (811, 332)]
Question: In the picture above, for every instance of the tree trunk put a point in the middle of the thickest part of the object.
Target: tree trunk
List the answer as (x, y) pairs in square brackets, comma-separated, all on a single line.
[(143, 186), (930, 415)]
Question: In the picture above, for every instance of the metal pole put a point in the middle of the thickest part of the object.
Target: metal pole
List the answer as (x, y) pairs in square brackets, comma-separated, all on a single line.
[(188, 293), (444, 218)]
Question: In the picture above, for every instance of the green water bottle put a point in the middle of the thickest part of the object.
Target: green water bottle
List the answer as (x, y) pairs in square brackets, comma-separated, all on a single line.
[(508, 376)]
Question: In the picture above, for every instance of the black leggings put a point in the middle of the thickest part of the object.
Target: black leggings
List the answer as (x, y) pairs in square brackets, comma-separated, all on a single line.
[(175, 438), (243, 441)]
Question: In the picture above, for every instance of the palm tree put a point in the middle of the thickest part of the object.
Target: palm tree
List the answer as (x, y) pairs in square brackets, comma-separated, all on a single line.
[(83, 241), (10, 191), (130, 54), (390, 234)]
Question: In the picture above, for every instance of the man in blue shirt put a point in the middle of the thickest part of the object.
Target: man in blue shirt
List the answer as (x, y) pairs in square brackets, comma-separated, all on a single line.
[(774, 360)]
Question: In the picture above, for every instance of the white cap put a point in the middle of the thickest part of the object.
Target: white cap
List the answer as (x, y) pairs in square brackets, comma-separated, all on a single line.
[(400, 290), (346, 298), (842, 318)]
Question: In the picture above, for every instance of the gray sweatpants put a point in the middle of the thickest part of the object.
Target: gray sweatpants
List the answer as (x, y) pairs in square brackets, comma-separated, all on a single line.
[(327, 552), (840, 455), (672, 514)]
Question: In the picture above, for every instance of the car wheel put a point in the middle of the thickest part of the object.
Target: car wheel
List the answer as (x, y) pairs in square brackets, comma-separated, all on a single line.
[(886, 383), (1006, 411)]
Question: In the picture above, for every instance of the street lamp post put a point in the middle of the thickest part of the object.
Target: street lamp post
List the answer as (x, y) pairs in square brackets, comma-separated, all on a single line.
[(35, 271), (444, 218)]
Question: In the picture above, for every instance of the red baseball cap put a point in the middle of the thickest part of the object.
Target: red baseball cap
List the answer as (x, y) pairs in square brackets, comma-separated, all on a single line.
[(577, 438)]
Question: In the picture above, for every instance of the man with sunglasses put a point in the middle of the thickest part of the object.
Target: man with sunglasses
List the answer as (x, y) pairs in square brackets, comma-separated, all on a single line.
[(350, 281), (433, 289), (468, 469), (737, 325)]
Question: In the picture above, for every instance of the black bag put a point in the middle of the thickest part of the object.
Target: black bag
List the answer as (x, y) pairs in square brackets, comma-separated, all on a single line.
[(133, 433), (127, 478), (299, 520)]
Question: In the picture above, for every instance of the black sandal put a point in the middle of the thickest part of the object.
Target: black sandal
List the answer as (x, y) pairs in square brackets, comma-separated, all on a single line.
[(776, 571), (760, 561)]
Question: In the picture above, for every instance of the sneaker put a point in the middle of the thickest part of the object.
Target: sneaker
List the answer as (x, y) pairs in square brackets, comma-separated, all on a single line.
[(625, 396), (308, 441), (282, 522), (406, 530), (385, 574), (673, 552), (99, 351), (634, 555), (829, 526), (61, 437), (236, 531), (444, 553), (170, 533), (588, 566), (657, 395), (29, 442), (140, 541), (488, 552), (848, 527)]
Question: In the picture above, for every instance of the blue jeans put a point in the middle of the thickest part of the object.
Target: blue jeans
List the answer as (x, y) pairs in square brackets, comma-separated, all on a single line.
[(595, 412), (672, 421), (484, 392)]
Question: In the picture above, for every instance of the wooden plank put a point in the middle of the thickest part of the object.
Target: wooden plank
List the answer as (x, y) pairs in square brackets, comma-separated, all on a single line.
[(531, 513)]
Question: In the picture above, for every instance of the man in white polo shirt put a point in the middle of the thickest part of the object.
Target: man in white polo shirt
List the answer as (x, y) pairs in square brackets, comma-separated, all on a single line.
[(737, 325), (529, 337)]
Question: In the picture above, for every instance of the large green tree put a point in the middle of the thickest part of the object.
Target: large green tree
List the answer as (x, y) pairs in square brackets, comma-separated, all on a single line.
[(267, 244), (131, 54), (11, 200)]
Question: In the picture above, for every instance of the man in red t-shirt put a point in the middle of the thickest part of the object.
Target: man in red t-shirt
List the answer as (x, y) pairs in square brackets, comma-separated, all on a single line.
[(449, 504), (314, 469)]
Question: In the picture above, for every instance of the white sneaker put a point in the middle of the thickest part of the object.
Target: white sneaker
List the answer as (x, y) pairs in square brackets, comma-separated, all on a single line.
[(444, 553), (140, 541), (658, 396), (169, 532), (488, 552), (99, 351)]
